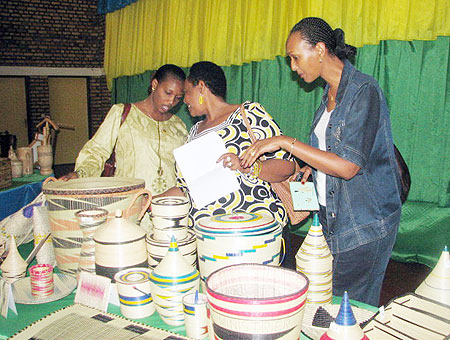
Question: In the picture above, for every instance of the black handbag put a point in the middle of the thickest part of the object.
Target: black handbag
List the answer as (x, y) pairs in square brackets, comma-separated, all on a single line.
[(405, 177), (110, 165)]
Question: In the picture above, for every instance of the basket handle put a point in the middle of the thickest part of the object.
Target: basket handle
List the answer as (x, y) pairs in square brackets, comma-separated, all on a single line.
[(144, 205), (48, 179)]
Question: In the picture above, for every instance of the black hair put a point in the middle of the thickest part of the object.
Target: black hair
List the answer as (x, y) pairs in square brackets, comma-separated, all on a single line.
[(211, 74), (315, 30), (166, 71)]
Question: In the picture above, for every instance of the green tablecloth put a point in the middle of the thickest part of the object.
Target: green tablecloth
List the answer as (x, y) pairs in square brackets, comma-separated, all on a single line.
[(28, 314)]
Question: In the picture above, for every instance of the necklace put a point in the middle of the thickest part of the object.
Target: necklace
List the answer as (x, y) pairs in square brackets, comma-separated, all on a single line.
[(159, 184)]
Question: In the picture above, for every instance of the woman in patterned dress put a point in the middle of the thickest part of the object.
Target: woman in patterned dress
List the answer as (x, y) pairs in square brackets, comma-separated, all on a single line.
[(205, 90)]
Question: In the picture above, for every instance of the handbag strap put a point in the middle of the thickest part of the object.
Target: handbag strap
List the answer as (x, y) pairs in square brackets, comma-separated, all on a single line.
[(250, 131), (249, 128), (247, 124), (125, 112)]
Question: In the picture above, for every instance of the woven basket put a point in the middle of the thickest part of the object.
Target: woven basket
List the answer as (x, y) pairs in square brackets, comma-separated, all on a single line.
[(5, 173)]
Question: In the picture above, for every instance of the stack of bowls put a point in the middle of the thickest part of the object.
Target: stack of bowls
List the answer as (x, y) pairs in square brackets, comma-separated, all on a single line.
[(169, 216)]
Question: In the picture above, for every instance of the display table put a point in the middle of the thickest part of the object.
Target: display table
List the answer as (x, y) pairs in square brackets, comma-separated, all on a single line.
[(28, 314), (23, 191)]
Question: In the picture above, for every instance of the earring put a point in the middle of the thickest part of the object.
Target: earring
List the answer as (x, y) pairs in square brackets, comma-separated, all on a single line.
[(200, 99), (320, 60)]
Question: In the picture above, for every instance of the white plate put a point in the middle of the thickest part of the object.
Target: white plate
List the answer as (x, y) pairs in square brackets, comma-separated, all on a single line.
[(314, 332), (63, 286)]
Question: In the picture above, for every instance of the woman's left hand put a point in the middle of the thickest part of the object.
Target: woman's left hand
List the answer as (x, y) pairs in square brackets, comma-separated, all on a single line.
[(260, 147), (231, 161)]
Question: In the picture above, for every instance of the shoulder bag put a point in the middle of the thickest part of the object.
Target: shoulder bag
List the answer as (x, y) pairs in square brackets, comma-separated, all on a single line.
[(110, 165), (282, 189)]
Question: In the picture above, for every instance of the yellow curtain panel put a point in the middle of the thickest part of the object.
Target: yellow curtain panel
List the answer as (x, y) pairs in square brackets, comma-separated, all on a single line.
[(149, 33)]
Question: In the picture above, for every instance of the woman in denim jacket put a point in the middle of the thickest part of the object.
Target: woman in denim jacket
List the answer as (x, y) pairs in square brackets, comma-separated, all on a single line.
[(351, 157)]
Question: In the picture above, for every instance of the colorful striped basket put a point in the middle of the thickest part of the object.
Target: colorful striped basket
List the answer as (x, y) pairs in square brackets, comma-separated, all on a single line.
[(227, 239), (254, 301), (64, 199)]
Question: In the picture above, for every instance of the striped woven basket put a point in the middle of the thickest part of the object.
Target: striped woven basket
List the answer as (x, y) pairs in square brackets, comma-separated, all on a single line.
[(5, 173)]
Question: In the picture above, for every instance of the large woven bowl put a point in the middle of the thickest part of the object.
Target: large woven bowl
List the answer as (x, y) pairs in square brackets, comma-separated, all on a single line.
[(254, 301), (65, 198)]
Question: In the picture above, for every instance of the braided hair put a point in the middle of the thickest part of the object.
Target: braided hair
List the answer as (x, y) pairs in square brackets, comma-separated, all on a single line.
[(315, 30)]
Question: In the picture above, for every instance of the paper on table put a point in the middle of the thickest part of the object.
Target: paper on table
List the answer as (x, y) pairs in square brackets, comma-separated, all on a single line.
[(207, 180)]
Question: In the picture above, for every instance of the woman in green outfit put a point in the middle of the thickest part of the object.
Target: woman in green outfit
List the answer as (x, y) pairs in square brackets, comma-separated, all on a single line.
[(145, 141)]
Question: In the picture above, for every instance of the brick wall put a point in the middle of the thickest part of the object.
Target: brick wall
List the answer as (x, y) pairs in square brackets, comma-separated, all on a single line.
[(54, 33)]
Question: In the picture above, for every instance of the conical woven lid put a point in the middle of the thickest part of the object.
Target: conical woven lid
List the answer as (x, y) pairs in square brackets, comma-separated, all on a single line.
[(437, 284), (345, 326), (118, 229), (314, 244), (173, 266), (14, 263)]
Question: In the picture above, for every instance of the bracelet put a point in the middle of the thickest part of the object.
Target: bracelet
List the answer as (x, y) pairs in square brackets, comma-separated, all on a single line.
[(292, 147), (80, 173), (256, 168)]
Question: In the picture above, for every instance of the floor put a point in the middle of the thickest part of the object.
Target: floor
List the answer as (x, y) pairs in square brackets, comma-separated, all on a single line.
[(400, 278)]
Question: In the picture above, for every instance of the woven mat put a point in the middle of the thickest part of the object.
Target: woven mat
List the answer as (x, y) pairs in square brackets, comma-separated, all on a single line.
[(78, 322)]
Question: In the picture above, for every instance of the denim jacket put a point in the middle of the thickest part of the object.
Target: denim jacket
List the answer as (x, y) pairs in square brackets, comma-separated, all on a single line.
[(364, 208)]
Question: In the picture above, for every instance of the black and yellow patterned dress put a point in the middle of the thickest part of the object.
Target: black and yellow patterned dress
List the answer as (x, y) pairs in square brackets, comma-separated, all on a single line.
[(254, 195)]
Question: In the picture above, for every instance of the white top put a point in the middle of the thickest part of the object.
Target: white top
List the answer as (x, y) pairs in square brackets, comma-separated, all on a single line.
[(320, 132)]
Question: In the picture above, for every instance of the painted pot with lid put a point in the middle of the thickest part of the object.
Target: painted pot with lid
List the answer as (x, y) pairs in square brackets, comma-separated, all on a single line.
[(119, 244)]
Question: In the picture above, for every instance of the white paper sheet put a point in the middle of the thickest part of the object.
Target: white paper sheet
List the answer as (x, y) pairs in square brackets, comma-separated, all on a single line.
[(304, 196), (207, 180)]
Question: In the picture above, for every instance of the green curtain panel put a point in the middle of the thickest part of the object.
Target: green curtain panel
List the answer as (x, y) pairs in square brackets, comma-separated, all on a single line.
[(415, 77)]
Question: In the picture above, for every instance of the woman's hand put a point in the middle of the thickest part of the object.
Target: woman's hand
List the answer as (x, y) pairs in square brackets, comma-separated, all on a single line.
[(260, 147), (70, 175), (306, 170), (231, 161)]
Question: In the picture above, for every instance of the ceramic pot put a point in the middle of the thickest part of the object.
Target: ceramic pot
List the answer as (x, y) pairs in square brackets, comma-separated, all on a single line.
[(119, 244), (14, 267), (254, 301), (25, 154), (45, 159), (173, 278), (64, 199), (133, 286), (227, 239), (314, 259), (157, 249), (89, 221)]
